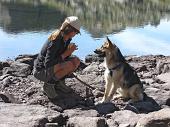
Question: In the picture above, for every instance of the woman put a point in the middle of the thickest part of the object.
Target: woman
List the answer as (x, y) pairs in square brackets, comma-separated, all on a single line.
[(53, 62)]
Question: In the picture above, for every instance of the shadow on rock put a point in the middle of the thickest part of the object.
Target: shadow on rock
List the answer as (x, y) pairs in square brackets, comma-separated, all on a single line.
[(105, 108), (145, 106), (66, 100)]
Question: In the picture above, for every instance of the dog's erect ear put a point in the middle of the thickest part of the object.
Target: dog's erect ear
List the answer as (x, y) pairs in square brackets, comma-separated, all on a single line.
[(109, 42), (108, 39)]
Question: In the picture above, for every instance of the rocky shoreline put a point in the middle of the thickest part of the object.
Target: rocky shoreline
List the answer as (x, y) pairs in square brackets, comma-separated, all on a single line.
[(23, 103)]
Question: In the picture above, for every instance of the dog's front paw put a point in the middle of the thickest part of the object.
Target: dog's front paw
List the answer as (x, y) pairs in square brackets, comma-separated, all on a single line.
[(100, 102), (130, 101), (117, 97), (103, 101)]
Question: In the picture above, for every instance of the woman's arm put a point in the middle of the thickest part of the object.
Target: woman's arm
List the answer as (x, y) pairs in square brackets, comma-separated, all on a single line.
[(51, 58)]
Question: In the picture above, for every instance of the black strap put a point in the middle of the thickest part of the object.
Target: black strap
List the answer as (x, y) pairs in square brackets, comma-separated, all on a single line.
[(114, 68)]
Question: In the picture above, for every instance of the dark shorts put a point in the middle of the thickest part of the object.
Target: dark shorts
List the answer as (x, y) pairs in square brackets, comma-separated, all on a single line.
[(45, 75)]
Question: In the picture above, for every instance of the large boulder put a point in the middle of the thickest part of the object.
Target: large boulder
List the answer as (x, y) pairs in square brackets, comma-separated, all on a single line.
[(122, 118), (93, 58), (21, 115), (18, 69), (27, 59), (159, 90), (4, 64), (160, 118)]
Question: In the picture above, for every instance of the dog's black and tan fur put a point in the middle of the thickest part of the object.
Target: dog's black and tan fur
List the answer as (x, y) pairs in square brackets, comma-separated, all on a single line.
[(119, 75)]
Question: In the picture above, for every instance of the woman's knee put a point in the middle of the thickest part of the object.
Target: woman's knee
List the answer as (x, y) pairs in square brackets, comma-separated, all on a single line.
[(63, 66), (68, 66), (76, 62)]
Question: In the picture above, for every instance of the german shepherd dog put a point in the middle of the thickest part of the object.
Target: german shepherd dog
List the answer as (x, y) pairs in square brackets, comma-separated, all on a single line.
[(119, 75)]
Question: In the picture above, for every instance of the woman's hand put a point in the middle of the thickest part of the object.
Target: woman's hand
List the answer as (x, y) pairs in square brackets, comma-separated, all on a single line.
[(70, 49)]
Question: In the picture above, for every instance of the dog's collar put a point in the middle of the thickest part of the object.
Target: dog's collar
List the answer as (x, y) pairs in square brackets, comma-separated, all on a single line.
[(114, 68)]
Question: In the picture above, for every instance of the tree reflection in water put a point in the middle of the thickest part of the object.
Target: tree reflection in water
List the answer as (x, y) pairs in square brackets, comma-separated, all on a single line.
[(25, 24), (99, 17)]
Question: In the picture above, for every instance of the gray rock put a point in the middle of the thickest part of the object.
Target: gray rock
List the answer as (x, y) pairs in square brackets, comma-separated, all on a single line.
[(81, 112), (159, 93), (27, 59), (91, 69), (52, 125), (120, 118), (147, 75), (155, 119), (20, 115), (78, 107), (93, 58), (168, 102), (164, 77), (148, 81), (124, 125), (3, 77), (142, 68), (18, 69), (8, 98), (162, 67), (7, 81), (1, 66), (4, 64), (86, 122)]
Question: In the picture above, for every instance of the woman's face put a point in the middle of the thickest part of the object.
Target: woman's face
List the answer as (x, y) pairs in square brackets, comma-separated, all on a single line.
[(72, 34)]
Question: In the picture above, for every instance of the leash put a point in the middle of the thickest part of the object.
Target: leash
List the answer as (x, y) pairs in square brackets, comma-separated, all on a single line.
[(83, 82)]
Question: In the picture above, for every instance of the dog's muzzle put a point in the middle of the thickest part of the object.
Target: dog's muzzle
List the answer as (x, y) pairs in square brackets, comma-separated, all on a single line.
[(100, 53)]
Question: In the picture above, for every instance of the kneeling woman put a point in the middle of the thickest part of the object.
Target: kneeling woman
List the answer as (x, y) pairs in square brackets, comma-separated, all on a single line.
[(53, 62)]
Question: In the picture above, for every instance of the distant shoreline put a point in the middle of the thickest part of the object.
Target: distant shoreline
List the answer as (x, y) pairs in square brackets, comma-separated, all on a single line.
[(30, 55)]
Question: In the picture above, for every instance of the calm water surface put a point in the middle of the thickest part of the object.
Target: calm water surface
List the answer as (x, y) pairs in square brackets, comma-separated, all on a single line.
[(135, 29)]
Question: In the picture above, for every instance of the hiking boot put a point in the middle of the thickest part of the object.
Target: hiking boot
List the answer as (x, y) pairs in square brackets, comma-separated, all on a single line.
[(61, 86), (49, 90)]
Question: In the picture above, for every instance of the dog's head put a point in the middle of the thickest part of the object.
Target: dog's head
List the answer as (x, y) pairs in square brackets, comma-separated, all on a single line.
[(106, 47), (109, 50)]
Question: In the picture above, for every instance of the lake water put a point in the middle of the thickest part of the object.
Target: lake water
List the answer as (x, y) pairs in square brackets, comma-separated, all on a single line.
[(137, 28)]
